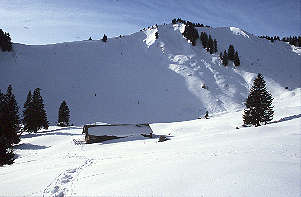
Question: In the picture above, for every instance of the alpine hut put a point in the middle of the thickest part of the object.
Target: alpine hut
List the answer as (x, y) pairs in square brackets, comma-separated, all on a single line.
[(102, 132)]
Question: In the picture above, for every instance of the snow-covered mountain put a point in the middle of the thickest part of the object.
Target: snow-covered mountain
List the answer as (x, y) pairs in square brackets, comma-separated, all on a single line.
[(138, 78)]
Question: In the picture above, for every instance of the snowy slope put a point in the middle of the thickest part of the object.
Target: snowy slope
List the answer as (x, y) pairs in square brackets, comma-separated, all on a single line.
[(202, 158), (137, 79)]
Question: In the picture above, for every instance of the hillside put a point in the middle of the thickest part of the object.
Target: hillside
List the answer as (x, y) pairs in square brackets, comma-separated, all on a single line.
[(137, 78), (204, 157)]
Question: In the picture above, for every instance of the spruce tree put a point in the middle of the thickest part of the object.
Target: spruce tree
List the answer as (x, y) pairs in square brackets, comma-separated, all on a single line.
[(39, 116), (225, 58), (64, 114), (231, 52), (6, 152), (28, 113), (190, 33), (104, 38), (215, 45), (236, 59), (210, 45), (90, 38), (221, 55), (5, 41), (259, 107), (10, 120), (157, 35)]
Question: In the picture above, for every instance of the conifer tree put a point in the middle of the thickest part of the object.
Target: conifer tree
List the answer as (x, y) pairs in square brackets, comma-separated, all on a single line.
[(6, 152), (190, 33), (236, 59), (157, 35), (221, 55), (10, 117), (215, 45), (104, 38), (210, 45), (64, 114), (231, 52), (28, 113), (5, 41), (225, 58), (204, 38), (39, 116), (90, 38), (259, 107)]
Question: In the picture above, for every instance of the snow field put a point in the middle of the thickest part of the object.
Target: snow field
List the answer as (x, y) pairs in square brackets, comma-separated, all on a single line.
[(208, 157)]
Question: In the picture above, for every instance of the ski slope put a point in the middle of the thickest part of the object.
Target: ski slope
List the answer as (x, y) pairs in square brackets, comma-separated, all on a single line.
[(137, 78), (204, 157)]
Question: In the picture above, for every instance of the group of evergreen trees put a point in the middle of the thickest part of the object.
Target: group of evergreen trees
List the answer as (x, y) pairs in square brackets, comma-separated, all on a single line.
[(292, 40), (296, 41), (179, 20), (272, 39), (259, 107), (191, 33), (5, 41), (208, 43), (34, 118), (230, 55), (34, 114), (9, 126)]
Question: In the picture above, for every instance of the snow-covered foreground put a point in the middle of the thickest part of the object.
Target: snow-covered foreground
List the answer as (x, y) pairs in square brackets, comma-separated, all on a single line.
[(202, 158)]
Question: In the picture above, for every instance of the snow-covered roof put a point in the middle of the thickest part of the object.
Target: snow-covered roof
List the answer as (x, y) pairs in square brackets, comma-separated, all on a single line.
[(119, 130)]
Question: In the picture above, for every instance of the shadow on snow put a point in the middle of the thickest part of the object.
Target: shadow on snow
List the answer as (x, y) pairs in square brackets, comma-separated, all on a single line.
[(52, 132)]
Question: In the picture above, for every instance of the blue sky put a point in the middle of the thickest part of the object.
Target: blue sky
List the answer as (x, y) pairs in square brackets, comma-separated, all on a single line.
[(53, 21)]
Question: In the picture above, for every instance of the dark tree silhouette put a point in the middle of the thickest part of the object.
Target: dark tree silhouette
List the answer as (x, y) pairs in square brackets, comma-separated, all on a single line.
[(259, 107), (236, 59), (5, 41), (190, 33), (64, 114), (104, 38), (225, 58), (28, 113), (39, 116), (10, 120), (6, 152), (231, 52), (9, 126)]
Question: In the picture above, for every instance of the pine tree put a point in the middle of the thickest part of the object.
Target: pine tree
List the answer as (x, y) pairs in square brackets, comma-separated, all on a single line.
[(215, 45), (104, 38), (221, 55), (10, 117), (5, 41), (231, 52), (259, 107), (64, 114), (90, 38), (39, 116), (236, 59), (28, 113), (204, 38), (210, 45), (6, 152), (157, 35), (190, 33), (225, 58)]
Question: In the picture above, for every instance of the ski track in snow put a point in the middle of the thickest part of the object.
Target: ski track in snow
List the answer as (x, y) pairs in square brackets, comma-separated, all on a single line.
[(63, 183)]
